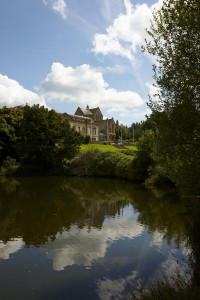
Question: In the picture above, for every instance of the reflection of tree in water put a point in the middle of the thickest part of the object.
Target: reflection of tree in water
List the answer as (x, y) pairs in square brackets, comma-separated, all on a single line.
[(193, 227), (101, 198), (36, 209), (164, 213), (178, 287), (8, 185)]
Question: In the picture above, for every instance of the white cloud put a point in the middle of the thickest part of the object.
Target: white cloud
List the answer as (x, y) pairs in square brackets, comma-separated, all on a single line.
[(108, 289), (157, 240), (176, 261), (84, 85), (177, 264), (13, 94), (127, 33), (116, 69), (58, 6), (10, 247), (83, 247)]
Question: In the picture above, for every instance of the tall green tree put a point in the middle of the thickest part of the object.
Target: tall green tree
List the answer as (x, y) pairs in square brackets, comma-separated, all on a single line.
[(137, 129), (174, 40), (46, 139), (10, 119)]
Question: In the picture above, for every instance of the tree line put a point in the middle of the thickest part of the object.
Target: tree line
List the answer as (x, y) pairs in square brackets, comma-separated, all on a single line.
[(36, 138), (174, 42)]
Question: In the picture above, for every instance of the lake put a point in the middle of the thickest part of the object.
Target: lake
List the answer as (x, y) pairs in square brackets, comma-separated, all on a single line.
[(76, 238)]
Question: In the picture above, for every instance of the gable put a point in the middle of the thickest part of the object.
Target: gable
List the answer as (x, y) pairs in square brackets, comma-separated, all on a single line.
[(79, 112), (83, 112), (97, 114)]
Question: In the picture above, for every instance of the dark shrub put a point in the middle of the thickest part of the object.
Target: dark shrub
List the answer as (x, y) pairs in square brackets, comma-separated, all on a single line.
[(9, 166), (98, 163), (124, 167)]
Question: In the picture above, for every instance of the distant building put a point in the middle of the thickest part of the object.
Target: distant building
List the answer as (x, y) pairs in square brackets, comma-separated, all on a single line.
[(107, 130), (89, 121), (84, 125), (94, 113)]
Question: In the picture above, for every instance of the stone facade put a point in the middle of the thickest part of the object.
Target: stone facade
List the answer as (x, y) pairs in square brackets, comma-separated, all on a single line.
[(90, 122), (84, 125), (107, 128)]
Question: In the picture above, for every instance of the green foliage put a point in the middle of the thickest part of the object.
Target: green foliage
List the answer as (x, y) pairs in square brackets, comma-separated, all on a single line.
[(106, 163), (10, 119), (101, 163), (101, 147), (36, 137), (129, 151), (84, 163), (144, 160), (46, 139), (93, 163), (173, 32), (131, 148), (174, 40), (9, 166), (107, 160), (124, 167), (136, 130), (86, 139)]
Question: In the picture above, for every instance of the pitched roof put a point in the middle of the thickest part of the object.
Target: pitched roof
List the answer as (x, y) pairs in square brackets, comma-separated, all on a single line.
[(76, 117), (86, 112), (93, 110)]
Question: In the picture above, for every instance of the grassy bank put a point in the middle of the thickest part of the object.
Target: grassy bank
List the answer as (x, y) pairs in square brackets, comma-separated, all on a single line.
[(107, 161), (102, 147)]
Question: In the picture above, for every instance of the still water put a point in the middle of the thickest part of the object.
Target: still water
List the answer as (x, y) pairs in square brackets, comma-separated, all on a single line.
[(72, 238)]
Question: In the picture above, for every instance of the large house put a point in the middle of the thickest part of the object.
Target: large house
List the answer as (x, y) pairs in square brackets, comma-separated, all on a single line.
[(89, 121), (107, 130), (94, 113)]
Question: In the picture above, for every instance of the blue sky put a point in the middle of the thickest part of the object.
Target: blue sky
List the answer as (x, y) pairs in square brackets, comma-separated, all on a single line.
[(69, 53)]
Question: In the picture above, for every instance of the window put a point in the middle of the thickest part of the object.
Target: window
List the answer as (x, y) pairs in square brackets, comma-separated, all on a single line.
[(94, 131)]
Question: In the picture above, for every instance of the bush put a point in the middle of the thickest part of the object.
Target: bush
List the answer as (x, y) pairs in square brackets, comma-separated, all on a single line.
[(100, 163), (83, 164), (111, 164), (124, 167), (129, 152), (106, 163), (144, 161), (158, 180), (86, 139), (9, 166), (92, 163)]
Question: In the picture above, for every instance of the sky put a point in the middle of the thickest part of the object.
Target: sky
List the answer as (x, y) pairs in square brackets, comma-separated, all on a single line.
[(68, 53)]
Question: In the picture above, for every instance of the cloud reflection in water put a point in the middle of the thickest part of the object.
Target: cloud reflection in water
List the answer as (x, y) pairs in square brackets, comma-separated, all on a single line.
[(83, 246)]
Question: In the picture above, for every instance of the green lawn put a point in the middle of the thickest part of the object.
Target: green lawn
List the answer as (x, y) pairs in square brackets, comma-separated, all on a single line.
[(100, 147), (131, 147), (103, 147)]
